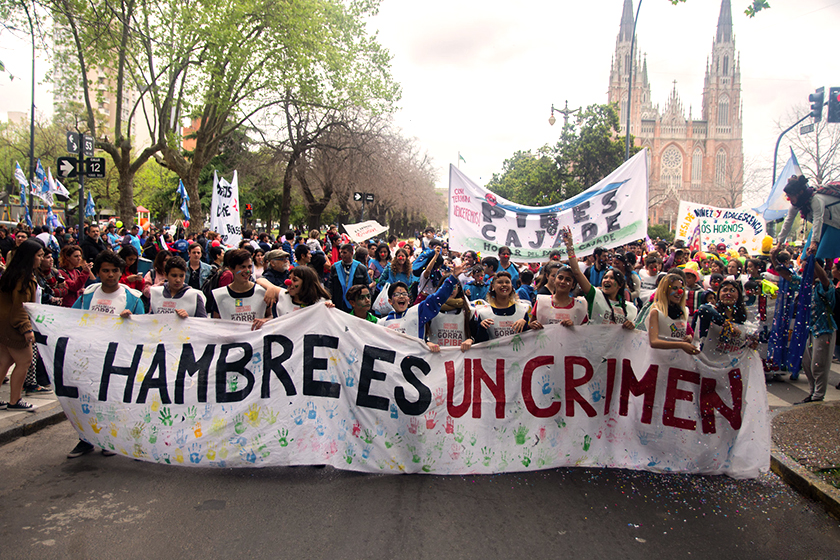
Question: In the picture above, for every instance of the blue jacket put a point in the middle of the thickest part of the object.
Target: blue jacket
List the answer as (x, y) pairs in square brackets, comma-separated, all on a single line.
[(204, 272)]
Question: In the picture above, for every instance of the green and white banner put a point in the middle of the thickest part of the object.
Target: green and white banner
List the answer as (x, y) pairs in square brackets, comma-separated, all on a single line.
[(609, 214), (319, 386)]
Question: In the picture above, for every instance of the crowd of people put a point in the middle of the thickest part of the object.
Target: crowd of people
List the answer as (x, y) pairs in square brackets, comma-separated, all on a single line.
[(685, 299)]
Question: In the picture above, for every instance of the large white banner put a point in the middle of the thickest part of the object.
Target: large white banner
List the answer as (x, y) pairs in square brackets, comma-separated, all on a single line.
[(224, 210), (364, 230), (319, 386), (609, 214), (735, 227)]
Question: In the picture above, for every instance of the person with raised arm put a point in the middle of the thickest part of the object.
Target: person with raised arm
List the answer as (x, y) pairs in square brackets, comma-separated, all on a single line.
[(605, 304)]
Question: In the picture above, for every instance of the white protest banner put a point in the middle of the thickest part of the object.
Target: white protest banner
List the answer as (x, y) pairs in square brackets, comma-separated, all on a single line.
[(736, 228), (224, 210), (364, 230), (319, 386), (609, 214)]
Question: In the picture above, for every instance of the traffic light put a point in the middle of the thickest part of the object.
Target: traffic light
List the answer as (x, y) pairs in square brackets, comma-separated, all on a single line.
[(816, 100), (833, 105), (248, 211)]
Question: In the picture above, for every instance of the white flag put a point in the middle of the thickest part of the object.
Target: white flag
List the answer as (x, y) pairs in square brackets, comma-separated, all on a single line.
[(224, 210)]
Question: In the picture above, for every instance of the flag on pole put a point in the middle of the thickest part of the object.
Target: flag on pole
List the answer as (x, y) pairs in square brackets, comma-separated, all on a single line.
[(776, 206), (21, 178), (25, 206), (185, 198), (41, 185), (90, 207), (461, 158), (52, 220), (55, 186)]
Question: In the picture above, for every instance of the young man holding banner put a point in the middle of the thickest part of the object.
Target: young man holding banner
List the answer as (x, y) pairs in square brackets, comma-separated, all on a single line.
[(108, 296)]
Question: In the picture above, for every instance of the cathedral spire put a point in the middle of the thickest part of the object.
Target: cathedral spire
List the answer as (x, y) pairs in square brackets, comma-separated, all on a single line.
[(625, 32), (724, 26)]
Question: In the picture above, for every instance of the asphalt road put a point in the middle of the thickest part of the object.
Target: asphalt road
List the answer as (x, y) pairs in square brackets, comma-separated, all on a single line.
[(114, 507)]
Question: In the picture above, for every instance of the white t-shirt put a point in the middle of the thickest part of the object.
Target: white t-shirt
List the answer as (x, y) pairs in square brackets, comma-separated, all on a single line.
[(113, 303), (647, 285), (548, 314), (244, 309)]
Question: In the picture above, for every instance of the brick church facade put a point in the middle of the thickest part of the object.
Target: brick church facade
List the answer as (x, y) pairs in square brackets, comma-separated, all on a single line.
[(698, 159)]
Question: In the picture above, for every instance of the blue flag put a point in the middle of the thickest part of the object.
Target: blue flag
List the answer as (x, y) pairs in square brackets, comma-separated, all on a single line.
[(21, 178), (776, 206), (185, 198), (90, 208)]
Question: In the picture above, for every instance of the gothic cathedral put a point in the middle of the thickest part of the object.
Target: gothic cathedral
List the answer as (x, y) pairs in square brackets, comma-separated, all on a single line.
[(697, 160)]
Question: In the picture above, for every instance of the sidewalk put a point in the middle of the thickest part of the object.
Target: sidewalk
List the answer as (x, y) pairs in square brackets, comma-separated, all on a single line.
[(16, 423)]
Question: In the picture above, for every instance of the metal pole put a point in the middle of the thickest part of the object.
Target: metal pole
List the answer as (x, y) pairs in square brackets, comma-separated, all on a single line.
[(776, 152), (81, 186), (32, 116), (630, 84), (364, 195)]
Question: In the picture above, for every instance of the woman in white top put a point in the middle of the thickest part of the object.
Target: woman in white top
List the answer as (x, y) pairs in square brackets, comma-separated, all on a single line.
[(667, 322), (606, 304), (561, 307), (241, 300), (302, 290), (503, 314)]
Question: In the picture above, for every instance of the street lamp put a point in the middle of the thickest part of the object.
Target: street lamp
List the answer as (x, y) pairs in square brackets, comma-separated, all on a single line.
[(565, 111)]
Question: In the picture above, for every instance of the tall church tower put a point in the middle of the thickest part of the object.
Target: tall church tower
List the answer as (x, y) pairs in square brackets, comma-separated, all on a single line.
[(697, 160)]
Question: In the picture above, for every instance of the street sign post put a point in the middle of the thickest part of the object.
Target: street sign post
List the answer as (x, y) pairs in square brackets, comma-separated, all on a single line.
[(87, 145), (72, 142), (806, 129), (95, 168), (368, 197), (362, 197), (358, 197), (67, 167)]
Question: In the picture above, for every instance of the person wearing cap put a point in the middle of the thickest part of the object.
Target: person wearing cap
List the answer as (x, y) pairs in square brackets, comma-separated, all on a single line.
[(822, 210), (693, 288), (276, 267), (133, 239)]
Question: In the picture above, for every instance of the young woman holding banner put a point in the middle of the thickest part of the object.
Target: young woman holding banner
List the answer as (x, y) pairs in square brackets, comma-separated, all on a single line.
[(302, 290), (503, 314), (606, 304), (667, 322), (561, 307)]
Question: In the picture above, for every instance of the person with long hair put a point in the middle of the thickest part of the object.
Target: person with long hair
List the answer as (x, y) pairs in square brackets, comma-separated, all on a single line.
[(503, 314), (546, 278), (157, 275), (303, 288), (380, 260), (561, 307), (606, 304), (18, 286), (821, 209), (130, 276), (76, 273), (720, 326), (667, 321), (398, 270)]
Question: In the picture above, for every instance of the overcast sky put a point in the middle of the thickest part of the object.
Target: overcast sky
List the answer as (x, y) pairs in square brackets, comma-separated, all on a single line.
[(479, 77)]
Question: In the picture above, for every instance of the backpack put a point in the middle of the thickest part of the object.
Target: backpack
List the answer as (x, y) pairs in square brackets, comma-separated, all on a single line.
[(829, 189), (211, 283)]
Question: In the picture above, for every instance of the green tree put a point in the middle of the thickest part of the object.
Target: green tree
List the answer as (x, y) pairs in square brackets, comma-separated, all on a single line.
[(529, 178), (254, 55), (661, 231), (589, 149)]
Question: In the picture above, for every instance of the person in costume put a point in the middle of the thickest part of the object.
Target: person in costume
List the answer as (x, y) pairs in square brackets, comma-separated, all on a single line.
[(821, 207)]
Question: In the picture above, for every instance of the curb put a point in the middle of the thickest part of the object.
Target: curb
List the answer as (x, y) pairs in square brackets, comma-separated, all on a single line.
[(44, 417), (801, 480)]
